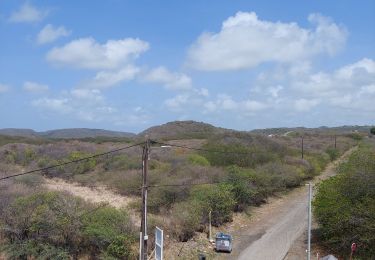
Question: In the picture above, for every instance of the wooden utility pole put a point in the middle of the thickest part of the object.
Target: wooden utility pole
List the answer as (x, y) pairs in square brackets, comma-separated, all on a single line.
[(144, 236), (302, 146)]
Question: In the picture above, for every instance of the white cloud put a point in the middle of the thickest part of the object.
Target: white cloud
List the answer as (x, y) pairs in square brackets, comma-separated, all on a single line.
[(60, 105), (178, 102), (4, 88), (245, 41), (274, 91), (87, 53), (304, 105), (347, 79), (28, 14), (89, 105), (35, 87), (175, 81), (87, 94), (253, 105), (109, 78), (49, 33)]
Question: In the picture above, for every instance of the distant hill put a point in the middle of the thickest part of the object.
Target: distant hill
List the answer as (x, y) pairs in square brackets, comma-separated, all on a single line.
[(18, 132), (319, 130), (182, 130), (65, 133)]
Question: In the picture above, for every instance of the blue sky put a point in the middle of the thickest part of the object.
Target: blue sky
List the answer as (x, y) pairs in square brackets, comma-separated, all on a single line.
[(129, 65)]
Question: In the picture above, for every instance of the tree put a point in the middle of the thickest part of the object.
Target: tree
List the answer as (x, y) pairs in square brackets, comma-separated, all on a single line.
[(372, 130)]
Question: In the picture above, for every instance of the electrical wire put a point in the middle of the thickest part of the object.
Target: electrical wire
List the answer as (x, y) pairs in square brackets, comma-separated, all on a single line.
[(70, 162), (184, 184), (200, 149)]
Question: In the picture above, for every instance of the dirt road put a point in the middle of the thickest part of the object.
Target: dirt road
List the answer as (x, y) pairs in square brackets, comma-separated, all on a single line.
[(276, 225)]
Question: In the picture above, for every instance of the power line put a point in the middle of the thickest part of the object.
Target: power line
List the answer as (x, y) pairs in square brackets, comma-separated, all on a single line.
[(201, 149), (185, 184), (70, 162)]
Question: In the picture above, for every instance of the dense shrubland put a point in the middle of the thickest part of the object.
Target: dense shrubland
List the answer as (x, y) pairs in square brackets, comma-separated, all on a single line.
[(51, 225), (345, 205), (252, 168)]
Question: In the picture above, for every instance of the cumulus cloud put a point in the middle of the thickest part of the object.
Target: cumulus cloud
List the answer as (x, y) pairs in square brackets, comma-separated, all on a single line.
[(4, 88), (86, 53), (88, 105), (224, 102), (28, 13), (303, 105), (345, 80), (170, 80), (49, 34), (35, 87), (245, 41), (105, 79), (60, 105)]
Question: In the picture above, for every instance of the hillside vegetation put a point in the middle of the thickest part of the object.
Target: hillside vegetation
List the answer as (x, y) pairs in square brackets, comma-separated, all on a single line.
[(224, 172), (345, 205)]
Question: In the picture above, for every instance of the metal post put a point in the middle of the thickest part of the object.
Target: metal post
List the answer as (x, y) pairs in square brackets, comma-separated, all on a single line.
[(209, 229), (335, 141), (309, 224), (144, 200), (302, 147)]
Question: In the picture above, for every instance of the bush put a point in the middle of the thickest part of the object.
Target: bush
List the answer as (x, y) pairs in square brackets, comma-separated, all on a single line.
[(333, 153), (345, 205), (218, 199), (245, 191), (51, 225), (197, 159), (187, 219)]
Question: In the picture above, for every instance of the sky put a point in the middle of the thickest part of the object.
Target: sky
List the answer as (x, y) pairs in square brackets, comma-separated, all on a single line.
[(128, 65)]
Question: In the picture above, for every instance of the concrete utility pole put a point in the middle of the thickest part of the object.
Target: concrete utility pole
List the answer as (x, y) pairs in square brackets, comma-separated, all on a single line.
[(302, 146), (309, 224), (144, 236)]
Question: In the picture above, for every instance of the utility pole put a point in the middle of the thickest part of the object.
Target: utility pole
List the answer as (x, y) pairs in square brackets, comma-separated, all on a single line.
[(335, 141), (308, 251), (144, 236), (302, 146)]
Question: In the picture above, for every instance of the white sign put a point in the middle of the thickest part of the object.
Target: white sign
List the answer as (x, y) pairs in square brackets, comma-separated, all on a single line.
[(159, 240)]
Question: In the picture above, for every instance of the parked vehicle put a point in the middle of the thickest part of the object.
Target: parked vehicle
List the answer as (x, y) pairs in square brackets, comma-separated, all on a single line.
[(223, 242)]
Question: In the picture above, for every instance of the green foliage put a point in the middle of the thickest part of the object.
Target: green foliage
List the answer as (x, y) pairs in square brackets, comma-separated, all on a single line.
[(216, 198), (372, 130), (345, 205), (51, 225), (40, 251), (187, 219), (333, 153), (245, 191), (83, 166), (121, 162), (355, 136), (237, 154), (197, 159), (120, 247)]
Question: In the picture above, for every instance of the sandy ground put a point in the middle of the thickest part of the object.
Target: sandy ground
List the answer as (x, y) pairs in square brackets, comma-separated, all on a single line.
[(94, 195)]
